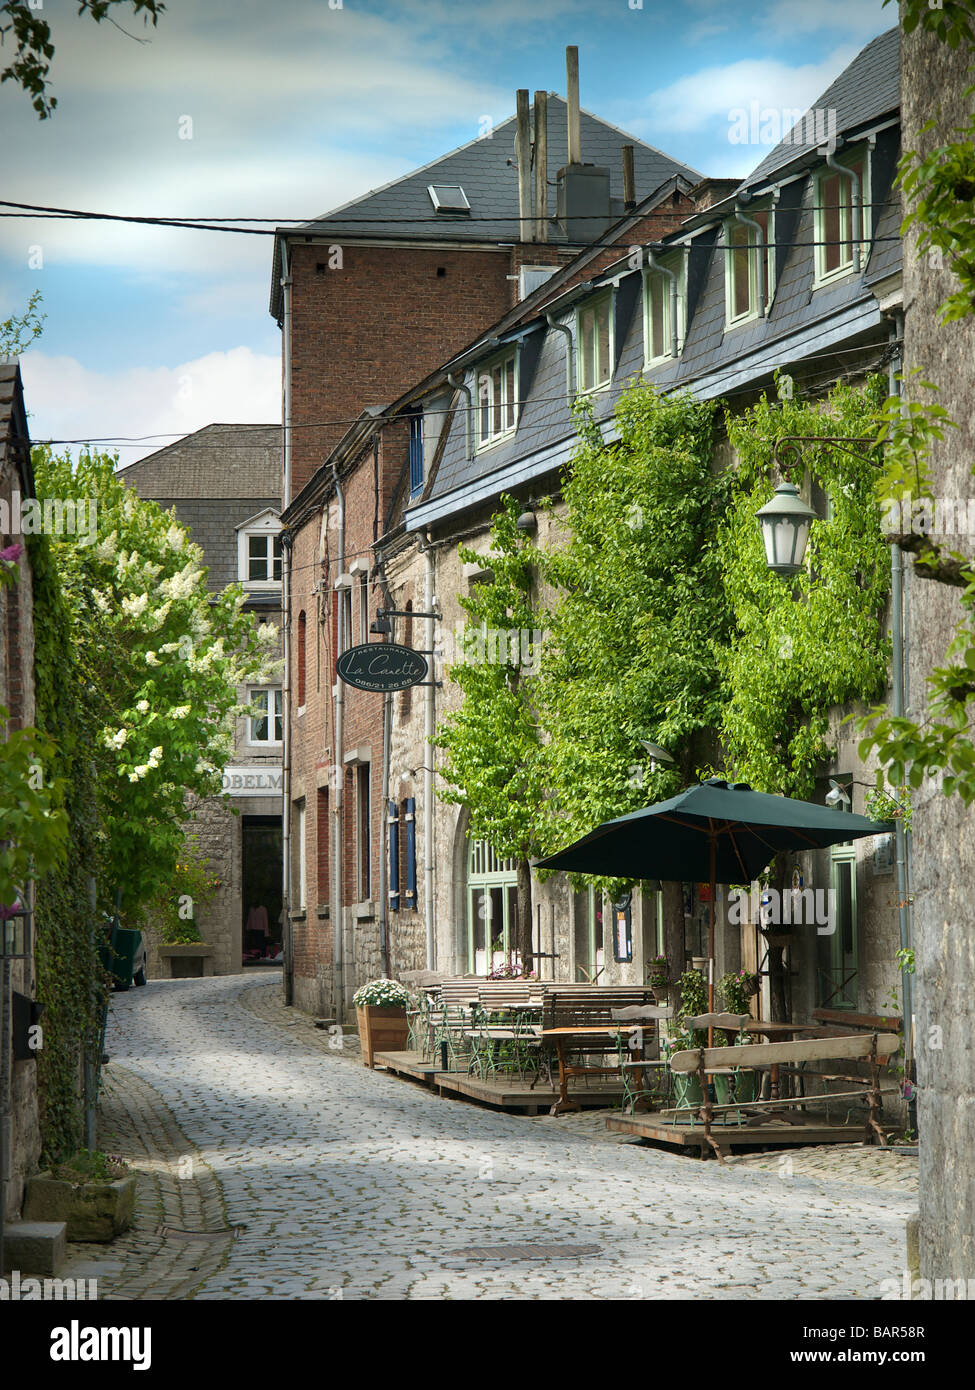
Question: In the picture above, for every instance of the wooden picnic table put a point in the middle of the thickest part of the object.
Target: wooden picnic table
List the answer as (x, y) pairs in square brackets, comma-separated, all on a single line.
[(562, 1036)]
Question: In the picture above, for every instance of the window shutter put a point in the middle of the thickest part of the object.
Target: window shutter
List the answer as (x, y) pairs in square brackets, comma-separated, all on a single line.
[(393, 857), (410, 852)]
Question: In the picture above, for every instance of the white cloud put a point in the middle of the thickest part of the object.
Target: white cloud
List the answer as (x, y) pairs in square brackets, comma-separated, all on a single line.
[(695, 101), (68, 401), (861, 19)]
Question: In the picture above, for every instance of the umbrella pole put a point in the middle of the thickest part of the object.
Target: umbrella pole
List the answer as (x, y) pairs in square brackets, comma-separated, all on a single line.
[(711, 943)]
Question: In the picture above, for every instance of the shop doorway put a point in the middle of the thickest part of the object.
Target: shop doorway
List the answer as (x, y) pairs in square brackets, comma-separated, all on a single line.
[(261, 855)]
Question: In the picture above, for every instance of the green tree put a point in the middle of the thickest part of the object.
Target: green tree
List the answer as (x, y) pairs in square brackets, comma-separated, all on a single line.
[(33, 48), (20, 330), (163, 656), (493, 762), (637, 613)]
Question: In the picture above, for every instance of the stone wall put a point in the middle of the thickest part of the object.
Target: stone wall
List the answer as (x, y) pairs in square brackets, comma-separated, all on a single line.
[(934, 80)]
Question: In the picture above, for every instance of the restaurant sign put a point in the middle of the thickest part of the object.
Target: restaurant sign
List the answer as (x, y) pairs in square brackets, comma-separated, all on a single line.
[(381, 666)]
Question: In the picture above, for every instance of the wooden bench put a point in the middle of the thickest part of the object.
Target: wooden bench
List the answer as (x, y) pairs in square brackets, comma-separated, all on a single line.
[(872, 1048)]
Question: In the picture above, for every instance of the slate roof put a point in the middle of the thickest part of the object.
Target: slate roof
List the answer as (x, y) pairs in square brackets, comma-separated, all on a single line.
[(402, 208), (218, 461), (868, 89), (802, 321)]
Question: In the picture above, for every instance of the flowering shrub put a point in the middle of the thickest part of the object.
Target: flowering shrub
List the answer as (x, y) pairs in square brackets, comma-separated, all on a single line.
[(735, 990), (387, 994)]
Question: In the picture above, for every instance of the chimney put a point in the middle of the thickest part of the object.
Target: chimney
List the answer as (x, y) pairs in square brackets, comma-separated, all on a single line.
[(629, 180), (572, 103), (541, 166), (583, 203), (523, 154)]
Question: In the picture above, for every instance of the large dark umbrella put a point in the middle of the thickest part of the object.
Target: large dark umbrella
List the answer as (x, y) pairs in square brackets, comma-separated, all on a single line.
[(721, 831)]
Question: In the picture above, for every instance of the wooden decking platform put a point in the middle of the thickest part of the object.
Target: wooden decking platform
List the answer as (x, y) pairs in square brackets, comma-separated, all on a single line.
[(412, 1064), (772, 1132), (505, 1092)]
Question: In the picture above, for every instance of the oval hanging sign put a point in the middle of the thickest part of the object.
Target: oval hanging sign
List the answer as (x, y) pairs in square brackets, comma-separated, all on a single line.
[(381, 666)]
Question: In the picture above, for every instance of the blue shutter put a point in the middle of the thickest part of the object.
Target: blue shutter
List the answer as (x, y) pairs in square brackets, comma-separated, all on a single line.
[(410, 852), (393, 857)]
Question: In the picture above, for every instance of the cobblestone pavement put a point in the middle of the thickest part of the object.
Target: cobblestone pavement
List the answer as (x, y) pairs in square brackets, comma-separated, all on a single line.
[(354, 1184)]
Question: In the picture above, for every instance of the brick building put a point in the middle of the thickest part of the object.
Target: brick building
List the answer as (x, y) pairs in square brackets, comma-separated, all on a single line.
[(222, 483), (370, 298)]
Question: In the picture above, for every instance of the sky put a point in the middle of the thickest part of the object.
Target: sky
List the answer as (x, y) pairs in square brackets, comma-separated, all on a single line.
[(284, 109)]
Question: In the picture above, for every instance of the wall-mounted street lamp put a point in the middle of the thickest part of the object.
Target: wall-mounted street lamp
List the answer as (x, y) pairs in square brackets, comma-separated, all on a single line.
[(784, 523), (381, 624), (656, 754), (527, 521)]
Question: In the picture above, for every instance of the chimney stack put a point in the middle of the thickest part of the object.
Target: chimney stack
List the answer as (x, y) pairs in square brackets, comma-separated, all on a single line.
[(541, 166), (523, 152), (629, 180), (572, 101)]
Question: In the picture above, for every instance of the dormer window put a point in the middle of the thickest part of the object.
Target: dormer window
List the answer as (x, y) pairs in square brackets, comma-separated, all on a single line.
[(749, 267), (594, 336), (497, 399), (658, 305), (835, 216), (259, 551)]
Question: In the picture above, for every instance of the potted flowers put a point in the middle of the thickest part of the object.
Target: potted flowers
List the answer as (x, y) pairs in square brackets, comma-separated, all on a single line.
[(735, 990), (380, 1008), (659, 978)]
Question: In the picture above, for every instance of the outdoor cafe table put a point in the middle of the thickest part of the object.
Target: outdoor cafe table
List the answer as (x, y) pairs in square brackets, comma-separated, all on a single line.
[(772, 1031), (562, 1036)]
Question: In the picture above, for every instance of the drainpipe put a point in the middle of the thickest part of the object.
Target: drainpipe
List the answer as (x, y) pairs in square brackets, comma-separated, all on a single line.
[(286, 380), (429, 730), (760, 234), (854, 178), (570, 358), (466, 390), (671, 275), (286, 936), (338, 694), (898, 708)]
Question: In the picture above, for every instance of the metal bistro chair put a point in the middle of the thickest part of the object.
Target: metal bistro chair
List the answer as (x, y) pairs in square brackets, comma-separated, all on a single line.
[(635, 1072)]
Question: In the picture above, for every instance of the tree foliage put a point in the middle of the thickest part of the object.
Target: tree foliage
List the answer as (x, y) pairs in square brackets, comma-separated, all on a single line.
[(162, 655), (24, 24)]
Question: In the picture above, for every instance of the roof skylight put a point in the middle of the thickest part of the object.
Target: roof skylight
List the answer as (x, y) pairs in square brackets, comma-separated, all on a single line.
[(448, 198)]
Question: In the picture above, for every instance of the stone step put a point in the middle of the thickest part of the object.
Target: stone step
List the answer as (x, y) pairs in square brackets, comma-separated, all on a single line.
[(35, 1247)]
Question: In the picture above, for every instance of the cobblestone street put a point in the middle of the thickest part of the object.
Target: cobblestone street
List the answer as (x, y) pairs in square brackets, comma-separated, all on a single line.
[(311, 1177)]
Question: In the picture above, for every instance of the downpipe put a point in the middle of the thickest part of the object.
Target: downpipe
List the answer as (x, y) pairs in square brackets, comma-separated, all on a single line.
[(338, 808)]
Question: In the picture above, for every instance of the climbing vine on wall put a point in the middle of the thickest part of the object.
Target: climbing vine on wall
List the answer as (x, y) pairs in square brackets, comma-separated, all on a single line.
[(801, 647), (70, 981)]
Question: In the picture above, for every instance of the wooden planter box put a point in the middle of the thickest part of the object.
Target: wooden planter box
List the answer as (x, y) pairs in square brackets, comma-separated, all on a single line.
[(381, 1030), (95, 1211), (189, 961)]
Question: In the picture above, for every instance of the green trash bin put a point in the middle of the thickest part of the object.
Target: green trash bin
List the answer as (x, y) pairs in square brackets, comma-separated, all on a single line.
[(127, 943)]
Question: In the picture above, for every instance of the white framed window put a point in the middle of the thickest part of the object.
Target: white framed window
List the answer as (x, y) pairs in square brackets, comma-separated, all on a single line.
[(657, 305), (594, 343), (497, 398), (259, 552), (749, 267), (265, 725), (833, 220)]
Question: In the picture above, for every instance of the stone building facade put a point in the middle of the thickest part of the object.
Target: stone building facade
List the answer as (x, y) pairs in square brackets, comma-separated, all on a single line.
[(18, 1078), (935, 82), (222, 484)]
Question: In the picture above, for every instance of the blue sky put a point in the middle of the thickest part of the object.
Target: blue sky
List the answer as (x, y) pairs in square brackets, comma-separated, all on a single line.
[(296, 107)]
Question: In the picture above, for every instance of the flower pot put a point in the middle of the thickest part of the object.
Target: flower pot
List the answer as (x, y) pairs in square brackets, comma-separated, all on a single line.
[(746, 1087), (381, 1029), (661, 993), (93, 1211), (722, 1090), (687, 1089), (750, 987)]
